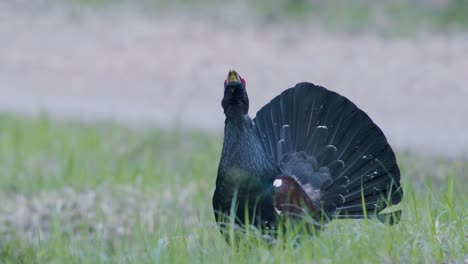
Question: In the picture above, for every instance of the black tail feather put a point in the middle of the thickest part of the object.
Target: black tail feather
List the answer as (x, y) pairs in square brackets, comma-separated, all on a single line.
[(342, 139)]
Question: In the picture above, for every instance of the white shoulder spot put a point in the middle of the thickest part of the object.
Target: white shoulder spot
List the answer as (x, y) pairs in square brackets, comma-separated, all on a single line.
[(277, 183)]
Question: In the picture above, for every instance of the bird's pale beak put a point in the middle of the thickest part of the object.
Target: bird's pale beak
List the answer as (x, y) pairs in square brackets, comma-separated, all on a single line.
[(233, 76)]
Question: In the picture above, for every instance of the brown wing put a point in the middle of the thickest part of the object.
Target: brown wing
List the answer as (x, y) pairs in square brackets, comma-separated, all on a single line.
[(291, 199)]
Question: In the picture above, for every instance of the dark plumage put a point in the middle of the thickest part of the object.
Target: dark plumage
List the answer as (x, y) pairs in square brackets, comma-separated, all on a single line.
[(309, 153)]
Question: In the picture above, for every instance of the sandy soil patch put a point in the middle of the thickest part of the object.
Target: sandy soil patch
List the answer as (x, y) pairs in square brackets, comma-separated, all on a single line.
[(131, 67)]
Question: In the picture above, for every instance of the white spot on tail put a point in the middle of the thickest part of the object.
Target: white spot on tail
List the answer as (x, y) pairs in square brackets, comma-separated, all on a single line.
[(278, 211), (277, 183)]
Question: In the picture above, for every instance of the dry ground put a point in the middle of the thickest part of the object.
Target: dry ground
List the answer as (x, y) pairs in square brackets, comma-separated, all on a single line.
[(127, 66)]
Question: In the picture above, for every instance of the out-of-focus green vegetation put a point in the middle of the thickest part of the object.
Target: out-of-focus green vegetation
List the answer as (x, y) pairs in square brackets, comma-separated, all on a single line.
[(102, 193), (396, 15)]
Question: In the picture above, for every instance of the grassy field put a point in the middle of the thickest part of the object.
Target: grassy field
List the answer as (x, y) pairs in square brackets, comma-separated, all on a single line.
[(101, 193), (398, 16)]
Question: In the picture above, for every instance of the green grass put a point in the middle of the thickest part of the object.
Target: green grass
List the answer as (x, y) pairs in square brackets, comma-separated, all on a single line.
[(157, 185), (397, 16)]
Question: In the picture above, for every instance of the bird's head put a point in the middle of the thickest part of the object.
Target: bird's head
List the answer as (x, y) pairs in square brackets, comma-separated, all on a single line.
[(235, 95)]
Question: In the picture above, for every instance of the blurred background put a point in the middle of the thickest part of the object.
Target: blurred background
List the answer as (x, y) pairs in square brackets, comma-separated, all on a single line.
[(164, 62), (111, 122)]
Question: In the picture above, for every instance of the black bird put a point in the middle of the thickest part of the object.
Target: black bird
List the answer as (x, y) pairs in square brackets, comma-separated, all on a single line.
[(310, 153)]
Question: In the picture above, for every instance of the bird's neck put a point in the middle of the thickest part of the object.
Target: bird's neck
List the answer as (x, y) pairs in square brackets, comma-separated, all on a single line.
[(236, 118), (237, 127), (244, 164), (242, 148)]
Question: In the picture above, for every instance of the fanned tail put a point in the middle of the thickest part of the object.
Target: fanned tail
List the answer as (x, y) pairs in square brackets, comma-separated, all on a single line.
[(343, 140)]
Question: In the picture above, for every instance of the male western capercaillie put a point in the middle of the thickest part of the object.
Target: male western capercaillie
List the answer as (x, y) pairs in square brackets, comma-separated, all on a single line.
[(309, 153)]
